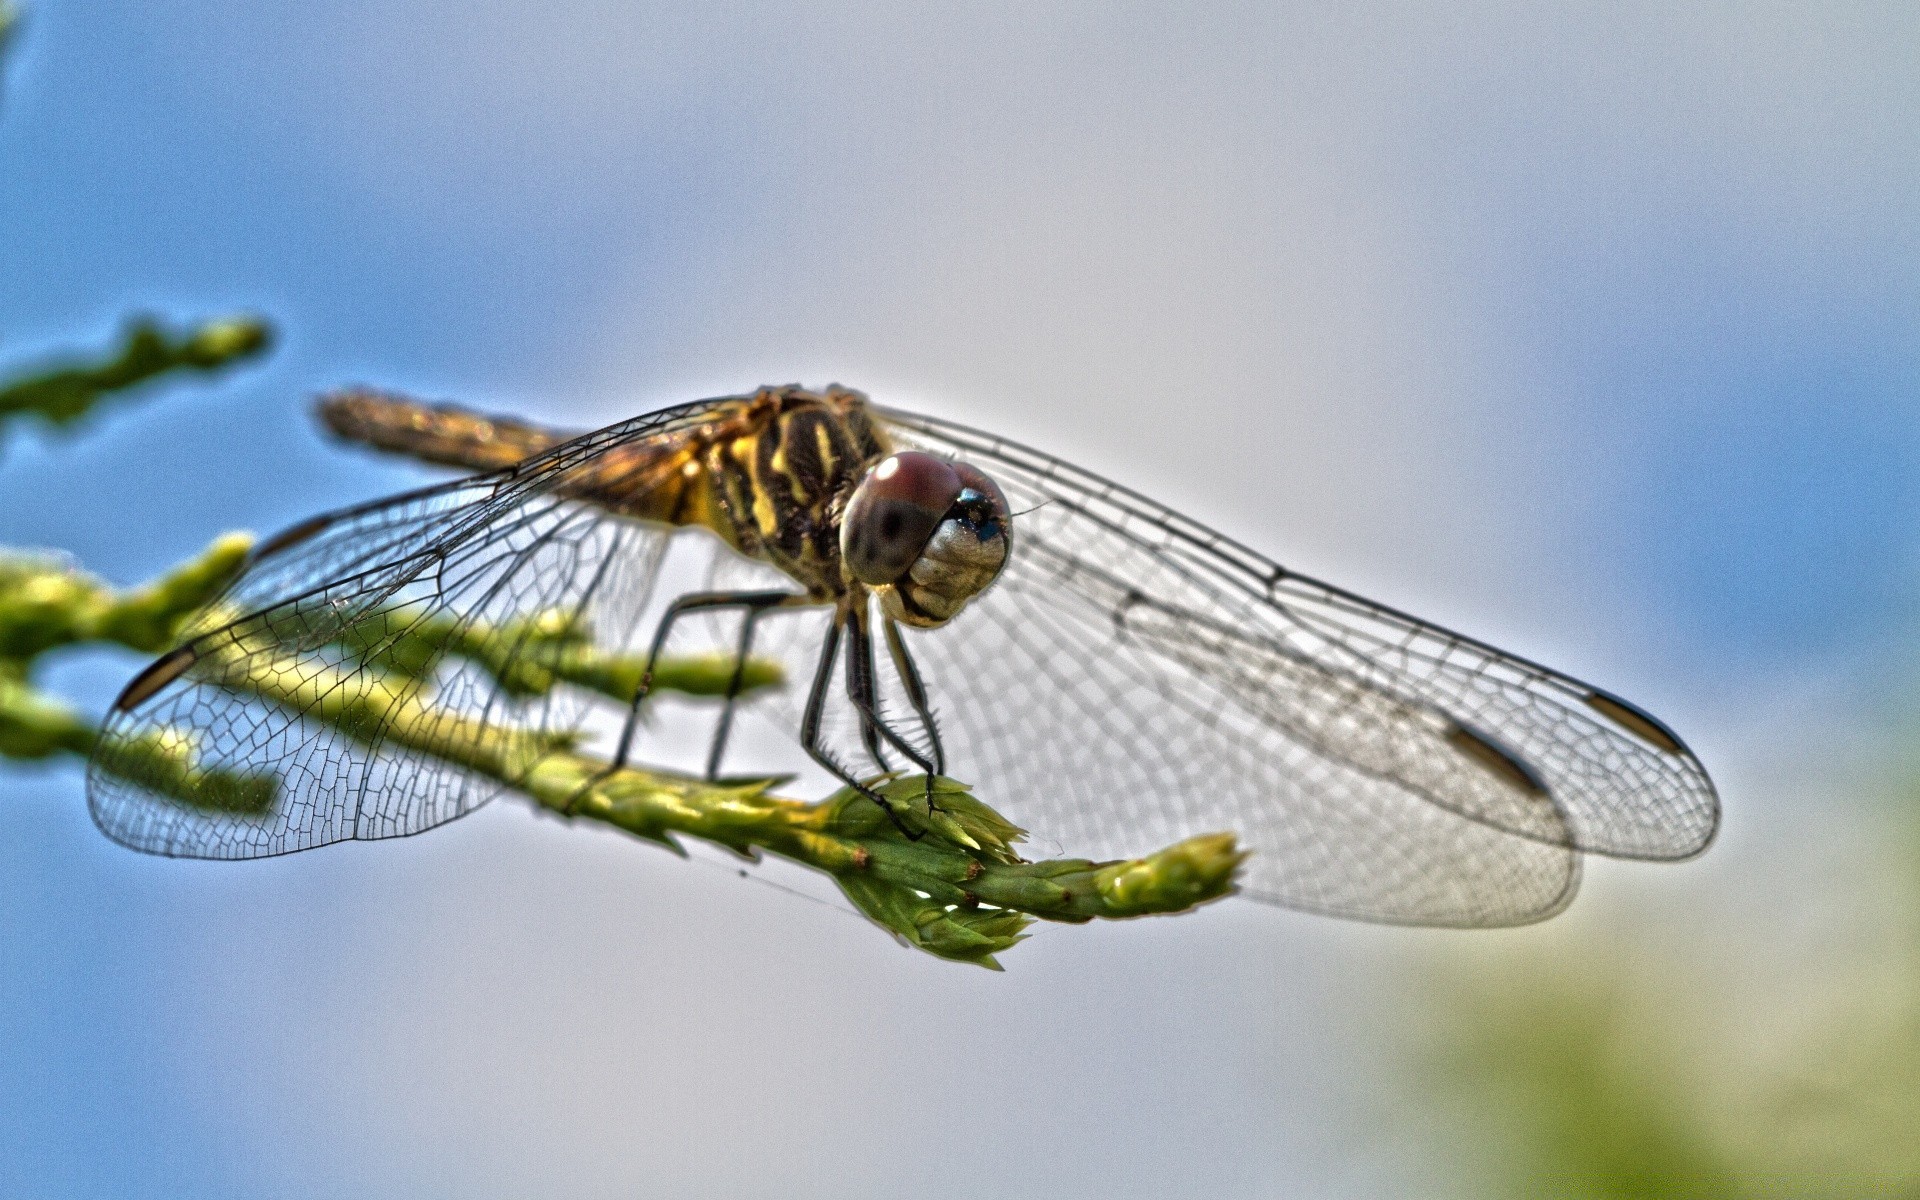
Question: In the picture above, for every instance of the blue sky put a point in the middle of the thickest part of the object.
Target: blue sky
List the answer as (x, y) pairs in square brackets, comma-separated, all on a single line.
[(1594, 333)]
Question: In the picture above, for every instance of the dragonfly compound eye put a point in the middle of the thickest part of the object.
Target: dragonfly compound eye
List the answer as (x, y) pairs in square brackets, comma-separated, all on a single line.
[(965, 554), (893, 513)]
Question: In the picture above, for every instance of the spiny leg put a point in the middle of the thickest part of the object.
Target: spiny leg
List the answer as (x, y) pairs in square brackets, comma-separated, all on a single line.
[(860, 687), (932, 761), (909, 674), (862, 690), (810, 721)]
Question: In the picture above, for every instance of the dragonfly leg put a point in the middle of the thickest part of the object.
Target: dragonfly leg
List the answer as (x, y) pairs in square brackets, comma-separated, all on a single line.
[(810, 721), (754, 602), (754, 609), (909, 674), (862, 690)]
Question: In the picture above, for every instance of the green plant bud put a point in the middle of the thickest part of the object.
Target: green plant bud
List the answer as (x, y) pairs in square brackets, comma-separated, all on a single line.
[(1173, 880), (223, 341)]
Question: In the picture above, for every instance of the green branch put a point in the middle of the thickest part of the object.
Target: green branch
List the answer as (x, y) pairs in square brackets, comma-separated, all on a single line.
[(63, 392), (46, 604), (527, 657), (949, 883), (940, 870), (956, 888), (953, 886)]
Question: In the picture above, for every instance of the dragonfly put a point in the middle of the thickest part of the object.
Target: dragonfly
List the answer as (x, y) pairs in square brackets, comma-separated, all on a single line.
[(1109, 672)]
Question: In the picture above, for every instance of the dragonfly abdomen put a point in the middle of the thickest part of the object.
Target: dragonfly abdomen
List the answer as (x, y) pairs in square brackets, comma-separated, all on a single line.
[(441, 434), (655, 480), (765, 472)]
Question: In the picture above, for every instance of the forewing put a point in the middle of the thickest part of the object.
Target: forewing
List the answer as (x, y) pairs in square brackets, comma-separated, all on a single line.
[(1379, 766), (387, 668)]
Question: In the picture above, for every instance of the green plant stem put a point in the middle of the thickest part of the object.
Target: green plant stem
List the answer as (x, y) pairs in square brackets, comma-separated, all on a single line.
[(64, 392), (851, 838), (46, 604), (949, 883)]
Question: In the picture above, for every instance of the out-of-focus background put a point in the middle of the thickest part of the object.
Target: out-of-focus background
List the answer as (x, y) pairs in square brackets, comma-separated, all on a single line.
[(1592, 330)]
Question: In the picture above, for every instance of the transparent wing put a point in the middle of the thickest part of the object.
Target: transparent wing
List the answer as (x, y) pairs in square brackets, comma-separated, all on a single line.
[(1134, 676), (381, 670)]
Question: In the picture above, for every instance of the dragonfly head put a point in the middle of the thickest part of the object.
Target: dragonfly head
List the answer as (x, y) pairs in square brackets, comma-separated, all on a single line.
[(927, 535)]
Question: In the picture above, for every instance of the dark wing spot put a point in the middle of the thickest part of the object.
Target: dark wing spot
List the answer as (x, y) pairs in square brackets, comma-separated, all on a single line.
[(1635, 720), (161, 672), (291, 537), (1496, 758)]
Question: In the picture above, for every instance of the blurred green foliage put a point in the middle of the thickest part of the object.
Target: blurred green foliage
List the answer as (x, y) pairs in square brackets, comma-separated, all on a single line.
[(61, 393), (9, 24), (9, 20), (1771, 1063), (46, 604), (1549, 1066)]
